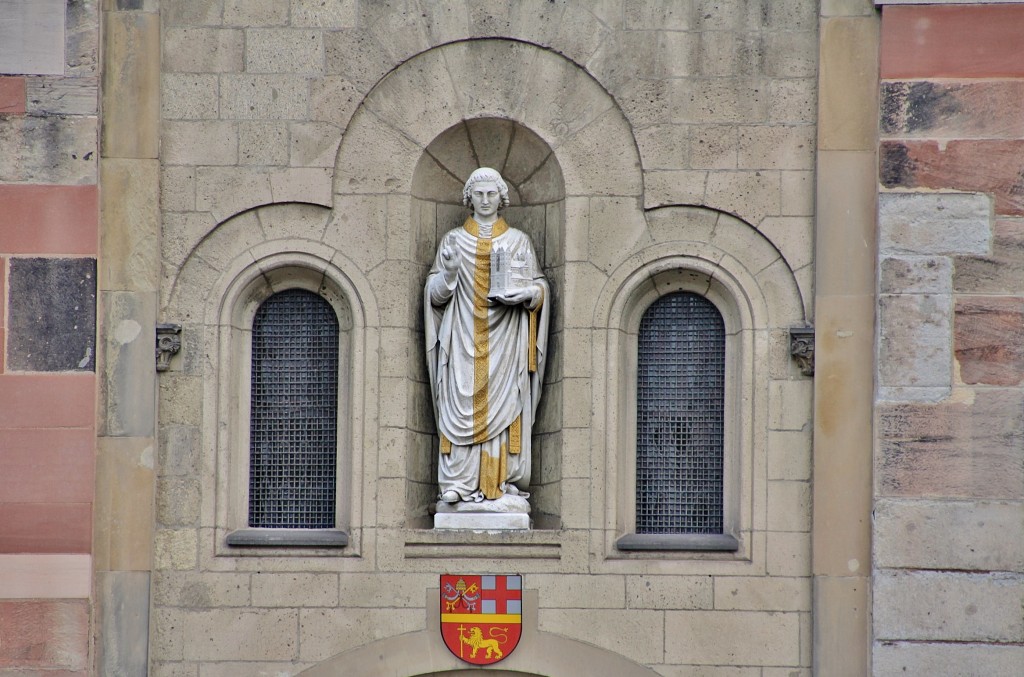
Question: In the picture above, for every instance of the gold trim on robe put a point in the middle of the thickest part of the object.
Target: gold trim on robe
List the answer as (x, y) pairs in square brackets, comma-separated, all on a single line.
[(515, 435)]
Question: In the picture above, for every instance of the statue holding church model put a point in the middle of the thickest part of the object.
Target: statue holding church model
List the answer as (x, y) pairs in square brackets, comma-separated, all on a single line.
[(486, 308)]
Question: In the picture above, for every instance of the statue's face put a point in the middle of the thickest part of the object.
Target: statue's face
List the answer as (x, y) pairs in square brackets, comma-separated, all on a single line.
[(485, 197)]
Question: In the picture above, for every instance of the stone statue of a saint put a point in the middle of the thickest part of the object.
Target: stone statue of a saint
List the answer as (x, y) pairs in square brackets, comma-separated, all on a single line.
[(486, 306)]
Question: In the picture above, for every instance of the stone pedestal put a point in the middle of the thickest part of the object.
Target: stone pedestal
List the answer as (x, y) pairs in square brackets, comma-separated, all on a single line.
[(503, 514), (482, 521)]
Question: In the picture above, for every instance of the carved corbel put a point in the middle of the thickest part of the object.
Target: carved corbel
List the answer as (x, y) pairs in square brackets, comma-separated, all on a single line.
[(168, 342), (801, 347)]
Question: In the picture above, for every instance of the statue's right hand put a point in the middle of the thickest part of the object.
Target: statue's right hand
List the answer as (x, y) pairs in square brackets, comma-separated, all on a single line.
[(449, 261)]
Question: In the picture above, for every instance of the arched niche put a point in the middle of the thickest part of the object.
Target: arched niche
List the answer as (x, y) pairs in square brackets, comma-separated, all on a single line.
[(537, 196)]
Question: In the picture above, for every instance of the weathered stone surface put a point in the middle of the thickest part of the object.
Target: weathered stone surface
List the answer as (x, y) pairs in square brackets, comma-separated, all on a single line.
[(989, 166), (284, 50), (1002, 272), (127, 406), (914, 340), (849, 83), (263, 97), (965, 535), (952, 448), (129, 241), (952, 110), (203, 50), (959, 658), (916, 275), (762, 593), (776, 147), (62, 96), (123, 634), (926, 41), (948, 606), (233, 634), (332, 15), (189, 589), (988, 341), (40, 635), (768, 638), (934, 223), (290, 590), (53, 325), (627, 632), (54, 149), (325, 632), (32, 37), (123, 504), (130, 85)]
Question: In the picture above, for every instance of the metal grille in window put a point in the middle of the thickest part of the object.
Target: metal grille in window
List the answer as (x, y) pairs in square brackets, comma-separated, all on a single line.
[(293, 429), (679, 429)]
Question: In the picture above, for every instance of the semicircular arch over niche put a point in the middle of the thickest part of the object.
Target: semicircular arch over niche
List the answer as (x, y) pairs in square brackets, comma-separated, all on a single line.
[(560, 138)]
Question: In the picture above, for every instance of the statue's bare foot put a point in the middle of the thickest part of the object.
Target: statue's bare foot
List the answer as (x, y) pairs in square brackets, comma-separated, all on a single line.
[(450, 496)]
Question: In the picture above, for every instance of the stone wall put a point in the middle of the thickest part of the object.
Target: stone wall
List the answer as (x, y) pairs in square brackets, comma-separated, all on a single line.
[(295, 133), (949, 486), (49, 216)]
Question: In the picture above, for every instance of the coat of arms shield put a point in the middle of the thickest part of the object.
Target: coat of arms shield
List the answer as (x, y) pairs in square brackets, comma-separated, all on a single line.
[(481, 616)]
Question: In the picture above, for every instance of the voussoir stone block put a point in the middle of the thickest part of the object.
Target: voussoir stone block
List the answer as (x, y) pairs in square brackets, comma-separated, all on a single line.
[(934, 223)]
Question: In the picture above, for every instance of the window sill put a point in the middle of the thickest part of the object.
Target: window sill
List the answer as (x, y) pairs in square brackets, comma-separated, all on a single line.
[(698, 542), (287, 538)]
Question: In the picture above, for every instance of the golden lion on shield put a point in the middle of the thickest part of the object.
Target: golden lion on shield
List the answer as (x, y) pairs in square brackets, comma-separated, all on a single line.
[(476, 641)]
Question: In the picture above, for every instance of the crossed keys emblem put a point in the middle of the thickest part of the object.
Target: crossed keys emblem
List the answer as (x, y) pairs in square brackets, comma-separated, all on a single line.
[(460, 593)]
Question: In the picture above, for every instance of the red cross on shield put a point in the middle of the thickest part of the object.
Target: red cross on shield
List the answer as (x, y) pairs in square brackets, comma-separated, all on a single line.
[(481, 616)]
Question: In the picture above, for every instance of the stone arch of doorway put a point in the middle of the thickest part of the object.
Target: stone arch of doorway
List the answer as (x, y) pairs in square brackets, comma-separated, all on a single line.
[(423, 654)]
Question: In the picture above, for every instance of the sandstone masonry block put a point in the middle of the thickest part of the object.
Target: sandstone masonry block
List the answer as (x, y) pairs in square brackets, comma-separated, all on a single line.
[(53, 149), (669, 592), (332, 15), (756, 638), (255, 12), (964, 535), (290, 590), (325, 632), (41, 635), (175, 549), (203, 50), (934, 658), (264, 97), (988, 341), (232, 634), (952, 449), (53, 325), (916, 275), (934, 223), (914, 340), (198, 590), (1002, 272), (634, 634), (200, 143), (776, 147), (762, 593), (284, 50), (189, 96), (948, 606)]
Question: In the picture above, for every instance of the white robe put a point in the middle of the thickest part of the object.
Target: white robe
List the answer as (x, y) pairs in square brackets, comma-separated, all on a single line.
[(478, 359)]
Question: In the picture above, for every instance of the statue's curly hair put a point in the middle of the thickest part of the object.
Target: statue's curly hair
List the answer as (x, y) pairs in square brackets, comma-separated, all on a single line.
[(485, 174)]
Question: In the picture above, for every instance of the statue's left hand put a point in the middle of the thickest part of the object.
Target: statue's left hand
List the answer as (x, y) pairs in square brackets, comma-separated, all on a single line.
[(530, 295)]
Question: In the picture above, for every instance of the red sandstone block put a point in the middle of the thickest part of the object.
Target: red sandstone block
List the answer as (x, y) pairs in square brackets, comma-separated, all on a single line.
[(47, 400), (987, 166), (961, 109), (988, 339), (12, 95), (3, 301), (952, 41), (45, 528), (1001, 272), (41, 465), (44, 634), (953, 449), (47, 219)]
